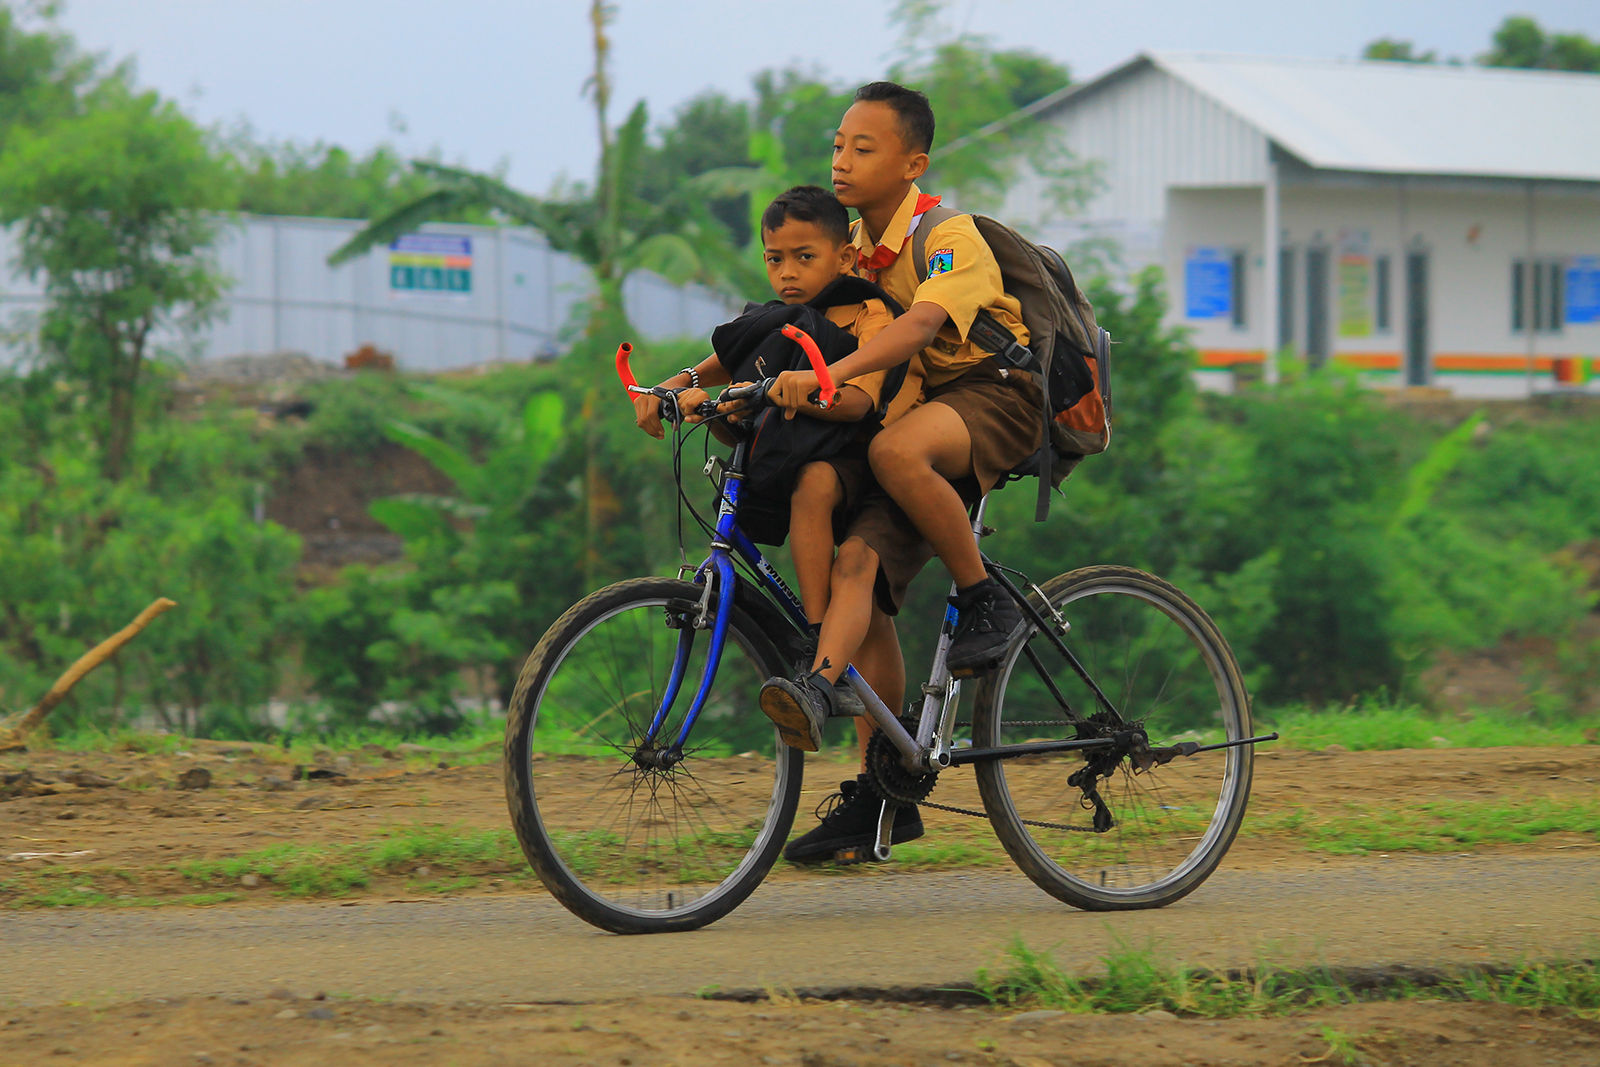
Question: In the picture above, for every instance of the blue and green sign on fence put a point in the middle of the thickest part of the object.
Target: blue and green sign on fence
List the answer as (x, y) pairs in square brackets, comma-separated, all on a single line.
[(431, 263)]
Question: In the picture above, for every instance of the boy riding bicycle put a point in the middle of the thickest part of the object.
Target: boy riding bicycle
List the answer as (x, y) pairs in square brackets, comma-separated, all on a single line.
[(976, 421)]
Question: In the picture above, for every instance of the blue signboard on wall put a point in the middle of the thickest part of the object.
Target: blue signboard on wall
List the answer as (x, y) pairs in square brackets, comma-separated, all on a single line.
[(1583, 289), (431, 263), (1208, 284)]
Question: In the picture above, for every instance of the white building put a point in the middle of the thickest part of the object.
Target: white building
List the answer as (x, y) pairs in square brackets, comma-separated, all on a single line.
[(449, 296), (1430, 225)]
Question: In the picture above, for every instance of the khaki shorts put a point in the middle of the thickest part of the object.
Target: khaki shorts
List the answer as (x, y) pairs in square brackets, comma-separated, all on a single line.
[(1001, 413)]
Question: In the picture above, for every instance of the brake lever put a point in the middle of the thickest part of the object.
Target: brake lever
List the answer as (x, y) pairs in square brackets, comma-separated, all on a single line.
[(670, 411)]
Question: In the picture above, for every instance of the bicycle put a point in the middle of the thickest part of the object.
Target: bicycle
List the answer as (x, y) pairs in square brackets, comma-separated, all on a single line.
[(642, 814)]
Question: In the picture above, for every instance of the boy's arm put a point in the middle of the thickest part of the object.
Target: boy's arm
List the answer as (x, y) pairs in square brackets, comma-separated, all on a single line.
[(899, 341)]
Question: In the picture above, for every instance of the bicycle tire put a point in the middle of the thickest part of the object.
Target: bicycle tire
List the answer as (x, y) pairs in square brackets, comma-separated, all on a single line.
[(1163, 663), (623, 846)]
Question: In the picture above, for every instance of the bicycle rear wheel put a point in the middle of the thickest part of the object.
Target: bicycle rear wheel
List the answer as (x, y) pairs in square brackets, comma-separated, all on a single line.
[(623, 842), (1166, 669)]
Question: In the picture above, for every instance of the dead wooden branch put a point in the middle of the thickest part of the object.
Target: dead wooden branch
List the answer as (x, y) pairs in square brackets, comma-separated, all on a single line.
[(13, 737)]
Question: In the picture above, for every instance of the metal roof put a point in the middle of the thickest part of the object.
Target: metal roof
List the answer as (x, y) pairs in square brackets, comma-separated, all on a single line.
[(1396, 118)]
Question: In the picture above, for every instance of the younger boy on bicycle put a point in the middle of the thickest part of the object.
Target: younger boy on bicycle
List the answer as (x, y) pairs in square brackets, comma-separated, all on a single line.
[(805, 235)]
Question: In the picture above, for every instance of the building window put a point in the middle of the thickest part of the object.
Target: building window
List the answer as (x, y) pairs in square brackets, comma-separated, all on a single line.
[(1538, 295), (1238, 288), (1382, 289)]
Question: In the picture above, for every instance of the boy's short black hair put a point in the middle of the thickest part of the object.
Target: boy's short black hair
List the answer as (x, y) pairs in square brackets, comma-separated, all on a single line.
[(910, 107), (808, 203)]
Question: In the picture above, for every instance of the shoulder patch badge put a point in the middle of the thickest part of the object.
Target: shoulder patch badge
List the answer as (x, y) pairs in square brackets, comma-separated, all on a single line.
[(941, 260)]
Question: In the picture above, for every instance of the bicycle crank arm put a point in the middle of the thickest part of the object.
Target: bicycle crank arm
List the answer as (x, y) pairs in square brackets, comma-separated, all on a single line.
[(1158, 757), (1029, 748)]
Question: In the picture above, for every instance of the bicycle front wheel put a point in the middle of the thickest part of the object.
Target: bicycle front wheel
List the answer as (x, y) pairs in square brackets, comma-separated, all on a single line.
[(1150, 832), (624, 839)]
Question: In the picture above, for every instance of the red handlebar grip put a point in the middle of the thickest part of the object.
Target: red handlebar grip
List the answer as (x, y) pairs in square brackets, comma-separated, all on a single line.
[(624, 350), (824, 379)]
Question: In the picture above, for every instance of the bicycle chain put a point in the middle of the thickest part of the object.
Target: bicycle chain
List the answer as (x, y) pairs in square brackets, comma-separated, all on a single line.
[(1026, 822)]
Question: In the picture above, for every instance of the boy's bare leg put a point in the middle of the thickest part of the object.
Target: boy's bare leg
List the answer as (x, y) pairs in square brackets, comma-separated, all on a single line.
[(817, 492), (880, 662), (915, 461), (850, 610)]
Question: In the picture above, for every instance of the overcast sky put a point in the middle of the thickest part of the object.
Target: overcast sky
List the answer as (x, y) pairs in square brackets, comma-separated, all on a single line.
[(486, 81)]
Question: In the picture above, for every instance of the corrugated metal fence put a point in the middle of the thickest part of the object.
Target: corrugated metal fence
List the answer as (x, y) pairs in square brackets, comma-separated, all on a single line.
[(451, 296)]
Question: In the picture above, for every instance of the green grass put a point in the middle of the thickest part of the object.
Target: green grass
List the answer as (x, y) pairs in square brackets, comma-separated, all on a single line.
[(481, 738), (1343, 1048), (92, 888), (1376, 724), (1371, 723), (1132, 981), (337, 870), (1435, 826)]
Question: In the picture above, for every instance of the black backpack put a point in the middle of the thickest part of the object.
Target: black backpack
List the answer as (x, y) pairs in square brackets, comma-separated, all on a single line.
[(750, 348), (1066, 347)]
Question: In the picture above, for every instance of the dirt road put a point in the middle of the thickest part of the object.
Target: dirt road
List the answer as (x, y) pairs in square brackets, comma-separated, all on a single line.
[(497, 973), (921, 930), (519, 981)]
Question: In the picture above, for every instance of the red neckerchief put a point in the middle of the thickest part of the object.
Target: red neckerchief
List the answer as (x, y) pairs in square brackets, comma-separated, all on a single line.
[(883, 255)]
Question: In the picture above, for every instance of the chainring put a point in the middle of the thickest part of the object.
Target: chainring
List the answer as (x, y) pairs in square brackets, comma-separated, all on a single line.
[(889, 775)]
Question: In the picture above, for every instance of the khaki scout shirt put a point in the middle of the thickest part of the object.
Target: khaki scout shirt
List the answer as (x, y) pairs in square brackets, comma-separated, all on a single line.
[(963, 279), (863, 321)]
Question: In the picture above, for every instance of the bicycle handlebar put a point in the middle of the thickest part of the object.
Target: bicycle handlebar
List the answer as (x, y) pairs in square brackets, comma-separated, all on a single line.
[(624, 350), (825, 392), (809, 347)]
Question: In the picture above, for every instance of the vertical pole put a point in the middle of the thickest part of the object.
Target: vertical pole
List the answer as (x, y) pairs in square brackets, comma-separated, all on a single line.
[(277, 286), (1272, 239), (1530, 311), (501, 279)]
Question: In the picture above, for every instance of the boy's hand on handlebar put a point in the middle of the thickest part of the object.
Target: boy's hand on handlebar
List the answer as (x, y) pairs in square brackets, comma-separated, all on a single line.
[(689, 402), (647, 414), (739, 406), (793, 389)]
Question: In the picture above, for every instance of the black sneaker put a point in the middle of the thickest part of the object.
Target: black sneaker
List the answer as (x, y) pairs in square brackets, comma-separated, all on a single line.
[(987, 617), (850, 826), (845, 701), (799, 707)]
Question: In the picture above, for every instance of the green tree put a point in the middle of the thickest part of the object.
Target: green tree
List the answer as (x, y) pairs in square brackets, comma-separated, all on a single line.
[(979, 96), (1397, 51), (42, 73), (83, 554), (613, 227), (324, 181), (1521, 42), (708, 132), (115, 212)]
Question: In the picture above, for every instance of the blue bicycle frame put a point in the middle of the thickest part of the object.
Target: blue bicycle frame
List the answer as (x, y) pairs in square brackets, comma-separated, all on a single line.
[(717, 574)]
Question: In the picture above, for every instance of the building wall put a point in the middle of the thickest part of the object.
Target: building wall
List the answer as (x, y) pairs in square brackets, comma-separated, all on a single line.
[(1469, 233), (1143, 133), (284, 297)]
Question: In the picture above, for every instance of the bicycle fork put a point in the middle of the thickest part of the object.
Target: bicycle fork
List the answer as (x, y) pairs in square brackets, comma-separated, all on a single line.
[(718, 584)]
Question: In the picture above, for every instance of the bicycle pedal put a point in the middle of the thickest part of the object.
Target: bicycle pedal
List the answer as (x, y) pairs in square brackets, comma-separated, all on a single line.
[(856, 854)]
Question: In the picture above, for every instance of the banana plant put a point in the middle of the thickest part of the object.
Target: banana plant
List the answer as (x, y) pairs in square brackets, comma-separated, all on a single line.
[(496, 487)]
